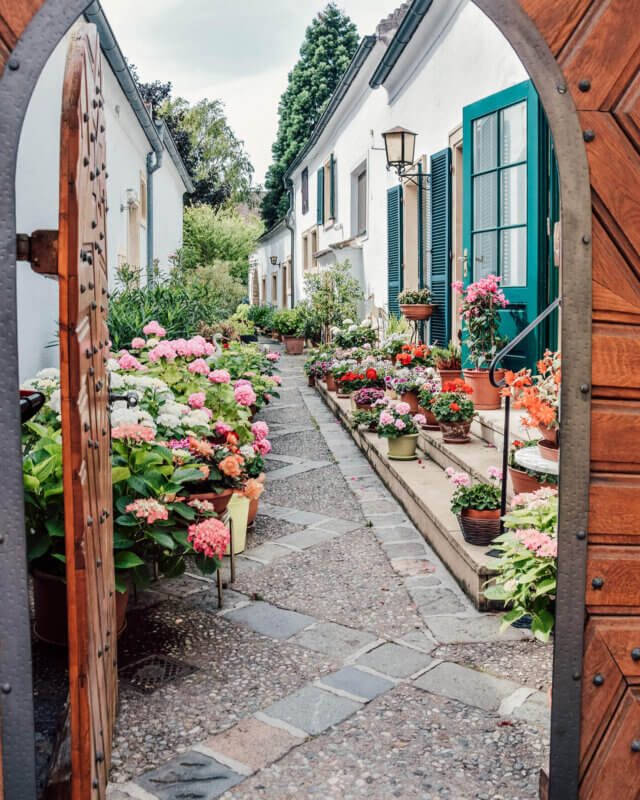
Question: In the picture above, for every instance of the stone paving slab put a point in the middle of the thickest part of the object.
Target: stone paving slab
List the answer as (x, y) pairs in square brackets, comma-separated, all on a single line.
[(394, 660), (333, 639), (270, 620), (309, 537), (267, 552), (358, 683), (474, 628), (253, 743), (313, 710), (405, 550), (337, 525), (190, 775), (467, 685), (437, 600), (535, 710)]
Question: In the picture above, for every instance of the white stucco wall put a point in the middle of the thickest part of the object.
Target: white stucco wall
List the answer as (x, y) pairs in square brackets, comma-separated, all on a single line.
[(37, 189), (456, 56), (277, 244)]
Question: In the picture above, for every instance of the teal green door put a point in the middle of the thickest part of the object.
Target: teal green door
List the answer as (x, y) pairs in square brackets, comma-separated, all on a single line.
[(503, 215)]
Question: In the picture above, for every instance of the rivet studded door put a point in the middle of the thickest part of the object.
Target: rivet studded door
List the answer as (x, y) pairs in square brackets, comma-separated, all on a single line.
[(84, 345)]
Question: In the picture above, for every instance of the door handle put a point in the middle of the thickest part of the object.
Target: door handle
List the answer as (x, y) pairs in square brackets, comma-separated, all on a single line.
[(465, 263), (130, 398)]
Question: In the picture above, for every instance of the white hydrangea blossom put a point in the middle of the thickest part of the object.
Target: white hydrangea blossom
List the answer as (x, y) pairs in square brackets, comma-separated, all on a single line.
[(347, 322), (352, 328), (124, 416), (54, 401), (197, 417), (117, 381), (168, 421), (153, 342), (176, 409), (247, 452), (366, 323)]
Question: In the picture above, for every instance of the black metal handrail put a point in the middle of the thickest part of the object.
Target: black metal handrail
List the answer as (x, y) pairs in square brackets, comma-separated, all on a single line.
[(507, 401)]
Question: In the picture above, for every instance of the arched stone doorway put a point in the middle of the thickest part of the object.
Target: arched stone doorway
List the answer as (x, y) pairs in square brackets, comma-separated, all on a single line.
[(583, 60)]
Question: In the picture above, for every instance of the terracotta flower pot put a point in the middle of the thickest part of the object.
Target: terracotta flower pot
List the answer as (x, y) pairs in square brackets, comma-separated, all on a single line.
[(549, 434), (412, 399), (449, 375), (523, 482), (455, 432), (220, 501), (293, 345), (479, 527), (253, 505), (486, 397), (403, 448), (364, 406), (549, 451), (50, 608), (417, 310), (311, 381), (344, 393), (432, 423), (331, 383)]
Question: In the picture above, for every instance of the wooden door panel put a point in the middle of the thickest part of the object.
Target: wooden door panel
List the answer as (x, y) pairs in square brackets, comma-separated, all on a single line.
[(614, 509), (87, 472), (613, 579)]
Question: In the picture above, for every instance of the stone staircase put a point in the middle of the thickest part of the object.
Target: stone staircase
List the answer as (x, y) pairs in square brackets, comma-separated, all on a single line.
[(424, 490)]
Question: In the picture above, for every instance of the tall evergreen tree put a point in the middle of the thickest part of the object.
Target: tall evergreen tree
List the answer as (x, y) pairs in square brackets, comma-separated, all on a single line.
[(329, 45)]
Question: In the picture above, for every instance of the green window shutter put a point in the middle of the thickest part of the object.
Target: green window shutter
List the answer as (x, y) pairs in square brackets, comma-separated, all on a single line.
[(441, 247), (321, 196), (395, 254), (332, 188)]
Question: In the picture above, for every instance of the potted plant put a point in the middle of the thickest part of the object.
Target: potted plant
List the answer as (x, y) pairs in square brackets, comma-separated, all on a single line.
[(448, 362), (289, 324), (527, 568), (365, 397), (477, 505), (352, 335), (539, 396), (416, 304), (399, 426), (479, 311), (349, 382), (429, 390), (412, 355), (407, 384), (454, 410), (367, 418), (527, 480)]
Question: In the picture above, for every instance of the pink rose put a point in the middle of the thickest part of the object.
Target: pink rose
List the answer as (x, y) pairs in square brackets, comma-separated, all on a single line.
[(197, 399), (260, 430), (138, 343), (200, 366), (245, 395), (219, 376)]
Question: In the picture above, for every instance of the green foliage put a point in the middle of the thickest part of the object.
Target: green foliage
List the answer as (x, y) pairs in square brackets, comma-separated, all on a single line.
[(397, 325), (415, 296), (333, 296), (480, 497), (261, 316), (288, 322), (181, 303), (448, 357), (219, 235), (329, 45), (453, 407)]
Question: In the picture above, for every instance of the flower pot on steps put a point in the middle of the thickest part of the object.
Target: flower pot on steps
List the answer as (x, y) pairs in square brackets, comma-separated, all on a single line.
[(431, 423), (522, 482), (331, 383), (479, 528), (486, 397), (403, 448), (412, 399), (455, 432)]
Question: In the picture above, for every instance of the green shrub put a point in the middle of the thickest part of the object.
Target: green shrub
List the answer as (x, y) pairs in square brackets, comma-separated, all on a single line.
[(333, 296), (288, 322), (261, 316)]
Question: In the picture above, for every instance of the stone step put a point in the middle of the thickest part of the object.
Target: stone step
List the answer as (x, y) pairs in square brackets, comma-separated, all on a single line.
[(475, 457), (424, 491)]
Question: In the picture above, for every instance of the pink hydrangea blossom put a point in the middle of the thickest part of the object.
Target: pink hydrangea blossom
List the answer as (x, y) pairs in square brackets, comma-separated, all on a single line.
[(273, 356), (219, 376), (277, 379), (154, 328), (260, 430), (245, 395), (210, 349), (197, 399), (136, 433), (208, 412), (181, 346), (210, 537), (137, 343), (151, 510), (538, 542), (403, 408), (162, 350), (263, 447), (243, 382), (203, 506), (197, 346), (129, 362), (200, 366)]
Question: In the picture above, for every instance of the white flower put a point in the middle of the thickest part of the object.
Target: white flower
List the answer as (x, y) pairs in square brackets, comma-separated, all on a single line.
[(113, 365), (246, 451), (335, 330), (510, 586), (168, 421), (50, 373), (117, 381), (54, 401), (197, 417), (176, 409), (366, 323), (352, 328), (32, 383), (347, 322), (124, 416), (153, 342)]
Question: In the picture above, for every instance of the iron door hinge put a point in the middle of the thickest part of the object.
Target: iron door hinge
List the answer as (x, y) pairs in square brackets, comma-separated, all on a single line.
[(40, 249)]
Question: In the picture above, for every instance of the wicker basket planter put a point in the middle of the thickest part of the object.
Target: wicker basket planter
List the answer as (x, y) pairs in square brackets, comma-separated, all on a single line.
[(479, 528), (455, 432)]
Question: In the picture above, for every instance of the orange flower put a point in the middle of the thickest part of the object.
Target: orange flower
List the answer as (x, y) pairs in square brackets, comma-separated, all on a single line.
[(253, 489), (200, 447), (204, 469), (230, 466)]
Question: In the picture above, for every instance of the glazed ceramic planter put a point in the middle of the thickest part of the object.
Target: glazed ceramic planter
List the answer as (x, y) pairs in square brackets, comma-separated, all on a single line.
[(403, 448), (412, 399), (254, 504), (417, 311), (455, 432), (479, 528), (238, 509), (522, 482), (293, 345), (50, 608), (486, 397)]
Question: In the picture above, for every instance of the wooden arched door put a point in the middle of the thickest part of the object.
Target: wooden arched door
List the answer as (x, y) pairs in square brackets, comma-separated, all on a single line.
[(84, 345)]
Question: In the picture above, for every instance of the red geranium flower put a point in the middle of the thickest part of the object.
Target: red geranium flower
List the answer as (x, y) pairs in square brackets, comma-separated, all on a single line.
[(372, 375), (454, 406)]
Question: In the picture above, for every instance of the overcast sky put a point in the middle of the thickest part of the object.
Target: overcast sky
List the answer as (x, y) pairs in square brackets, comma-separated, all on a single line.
[(237, 50)]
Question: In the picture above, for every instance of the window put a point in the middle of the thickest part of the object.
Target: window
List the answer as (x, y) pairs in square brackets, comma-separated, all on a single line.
[(274, 289), (305, 190), (309, 246), (314, 248), (362, 203), (499, 194), (327, 193)]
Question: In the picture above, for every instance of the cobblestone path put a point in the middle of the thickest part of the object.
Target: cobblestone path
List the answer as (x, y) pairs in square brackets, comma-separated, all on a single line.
[(346, 662)]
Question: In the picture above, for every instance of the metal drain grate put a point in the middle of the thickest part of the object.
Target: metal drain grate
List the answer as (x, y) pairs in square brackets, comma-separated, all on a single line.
[(154, 671)]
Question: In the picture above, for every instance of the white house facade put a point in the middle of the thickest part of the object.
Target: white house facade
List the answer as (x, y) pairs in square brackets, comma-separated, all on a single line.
[(481, 195), (135, 144), (270, 278)]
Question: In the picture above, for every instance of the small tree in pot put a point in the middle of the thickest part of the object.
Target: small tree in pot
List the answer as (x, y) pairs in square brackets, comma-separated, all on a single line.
[(290, 325)]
